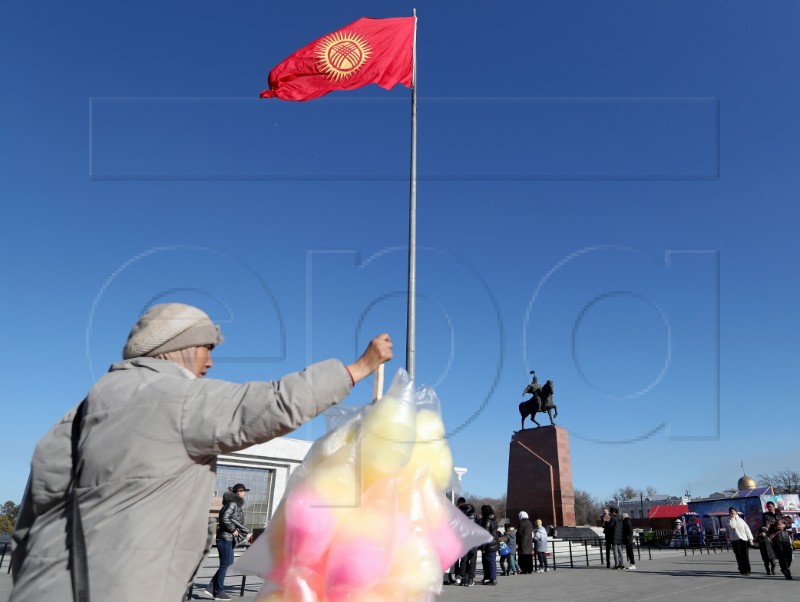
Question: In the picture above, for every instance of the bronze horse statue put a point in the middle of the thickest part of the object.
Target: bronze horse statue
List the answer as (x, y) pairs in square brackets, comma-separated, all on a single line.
[(542, 401)]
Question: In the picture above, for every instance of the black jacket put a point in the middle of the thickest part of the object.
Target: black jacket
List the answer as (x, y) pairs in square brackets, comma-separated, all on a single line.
[(469, 511), (764, 544), (613, 530), (231, 517), (607, 527), (489, 522), (767, 518), (627, 531), (525, 536)]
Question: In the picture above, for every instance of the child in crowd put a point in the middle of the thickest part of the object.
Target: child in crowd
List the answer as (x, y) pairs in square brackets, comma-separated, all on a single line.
[(508, 561), (767, 551)]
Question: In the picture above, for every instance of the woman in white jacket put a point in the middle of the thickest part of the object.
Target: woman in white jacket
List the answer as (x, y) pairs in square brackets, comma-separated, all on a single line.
[(741, 539)]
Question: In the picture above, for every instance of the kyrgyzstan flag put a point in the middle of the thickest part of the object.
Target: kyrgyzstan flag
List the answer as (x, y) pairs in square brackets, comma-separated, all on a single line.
[(368, 51)]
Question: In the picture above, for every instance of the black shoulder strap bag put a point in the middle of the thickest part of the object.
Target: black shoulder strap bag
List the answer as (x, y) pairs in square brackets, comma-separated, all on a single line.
[(78, 563)]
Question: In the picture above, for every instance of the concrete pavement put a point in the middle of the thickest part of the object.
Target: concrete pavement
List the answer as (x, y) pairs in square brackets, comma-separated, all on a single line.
[(668, 576)]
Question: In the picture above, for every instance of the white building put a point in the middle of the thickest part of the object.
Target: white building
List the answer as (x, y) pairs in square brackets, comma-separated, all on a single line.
[(639, 507), (265, 470)]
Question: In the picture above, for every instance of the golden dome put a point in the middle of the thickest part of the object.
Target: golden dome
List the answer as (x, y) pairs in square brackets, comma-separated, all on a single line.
[(746, 483)]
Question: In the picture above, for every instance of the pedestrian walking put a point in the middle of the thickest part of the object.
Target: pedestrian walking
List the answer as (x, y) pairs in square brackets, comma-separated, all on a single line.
[(741, 539)]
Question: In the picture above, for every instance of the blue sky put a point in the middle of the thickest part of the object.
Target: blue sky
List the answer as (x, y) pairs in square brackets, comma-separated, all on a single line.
[(607, 195)]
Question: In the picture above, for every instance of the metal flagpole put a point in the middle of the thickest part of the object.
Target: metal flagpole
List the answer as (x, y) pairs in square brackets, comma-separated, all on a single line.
[(412, 223)]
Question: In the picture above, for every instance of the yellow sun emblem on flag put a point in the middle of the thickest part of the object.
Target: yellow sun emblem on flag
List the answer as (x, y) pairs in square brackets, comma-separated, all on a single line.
[(341, 54)]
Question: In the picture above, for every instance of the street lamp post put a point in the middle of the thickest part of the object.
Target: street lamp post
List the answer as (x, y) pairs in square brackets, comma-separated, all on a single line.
[(641, 506)]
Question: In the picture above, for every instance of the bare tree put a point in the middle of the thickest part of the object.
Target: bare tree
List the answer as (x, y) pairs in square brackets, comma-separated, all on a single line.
[(650, 491), (626, 493), (498, 504), (784, 481), (587, 508)]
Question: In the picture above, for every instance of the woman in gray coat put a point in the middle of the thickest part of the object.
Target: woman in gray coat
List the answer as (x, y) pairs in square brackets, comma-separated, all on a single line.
[(147, 447), (540, 545)]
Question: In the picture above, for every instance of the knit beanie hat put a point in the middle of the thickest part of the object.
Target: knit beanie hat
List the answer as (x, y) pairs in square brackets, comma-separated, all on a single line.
[(522, 515), (170, 327)]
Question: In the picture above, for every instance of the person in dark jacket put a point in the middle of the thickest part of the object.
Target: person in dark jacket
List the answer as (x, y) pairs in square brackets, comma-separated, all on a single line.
[(771, 515), (489, 556), (608, 533), (627, 539), (525, 543), (779, 532), (467, 561), (616, 530), (764, 544), (230, 531)]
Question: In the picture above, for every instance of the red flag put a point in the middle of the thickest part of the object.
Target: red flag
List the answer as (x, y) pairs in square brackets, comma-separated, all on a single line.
[(368, 51)]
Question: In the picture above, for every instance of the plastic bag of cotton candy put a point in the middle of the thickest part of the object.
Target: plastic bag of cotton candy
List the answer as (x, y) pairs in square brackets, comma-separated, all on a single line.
[(365, 518)]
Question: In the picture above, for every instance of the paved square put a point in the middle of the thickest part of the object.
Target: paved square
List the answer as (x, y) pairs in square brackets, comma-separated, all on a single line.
[(668, 576)]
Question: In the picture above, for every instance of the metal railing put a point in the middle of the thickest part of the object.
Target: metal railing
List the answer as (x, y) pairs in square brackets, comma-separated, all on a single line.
[(583, 551), (6, 547), (198, 584)]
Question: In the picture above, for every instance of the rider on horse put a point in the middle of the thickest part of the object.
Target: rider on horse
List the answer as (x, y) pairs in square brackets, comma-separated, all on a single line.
[(541, 401), (534, 389)]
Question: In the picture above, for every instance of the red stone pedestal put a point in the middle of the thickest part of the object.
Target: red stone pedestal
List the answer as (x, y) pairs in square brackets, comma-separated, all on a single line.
[(540, 476)]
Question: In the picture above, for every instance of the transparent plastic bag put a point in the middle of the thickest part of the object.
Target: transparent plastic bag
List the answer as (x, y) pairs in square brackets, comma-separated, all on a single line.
[(365, 518)]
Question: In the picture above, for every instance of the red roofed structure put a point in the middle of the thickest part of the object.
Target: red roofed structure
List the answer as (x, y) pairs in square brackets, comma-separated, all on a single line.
[(663, 517), (673, 511)]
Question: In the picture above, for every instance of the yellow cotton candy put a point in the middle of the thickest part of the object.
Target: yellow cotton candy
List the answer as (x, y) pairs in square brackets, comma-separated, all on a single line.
[(436, 506), (429, 426), (436, 457), (332, 443), (336, 480), (392, 420), (388, 436), (417, 566), (369, 523), (386, 590)]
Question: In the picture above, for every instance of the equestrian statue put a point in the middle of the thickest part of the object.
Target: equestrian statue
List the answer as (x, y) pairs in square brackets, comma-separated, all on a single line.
[(541, 401)]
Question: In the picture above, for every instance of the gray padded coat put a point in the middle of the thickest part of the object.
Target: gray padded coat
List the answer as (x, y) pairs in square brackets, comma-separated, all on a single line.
[(148, 448)]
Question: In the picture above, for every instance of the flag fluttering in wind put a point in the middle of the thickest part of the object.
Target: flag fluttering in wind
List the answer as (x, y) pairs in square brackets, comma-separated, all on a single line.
[(368, 51)]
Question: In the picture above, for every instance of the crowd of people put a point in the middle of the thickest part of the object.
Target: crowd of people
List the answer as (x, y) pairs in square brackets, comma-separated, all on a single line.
[(520, 550), (618, 532), (774, 541)]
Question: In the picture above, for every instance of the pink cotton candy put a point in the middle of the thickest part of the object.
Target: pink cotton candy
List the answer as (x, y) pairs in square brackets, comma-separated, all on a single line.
[(310, 525), (447, 545), (353, 565)]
